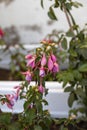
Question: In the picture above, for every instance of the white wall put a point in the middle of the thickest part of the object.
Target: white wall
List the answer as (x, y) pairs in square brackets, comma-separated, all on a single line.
[(29, 12)]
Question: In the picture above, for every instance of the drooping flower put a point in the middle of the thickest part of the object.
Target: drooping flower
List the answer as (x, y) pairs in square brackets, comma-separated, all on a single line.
[(31, 62), (50, 64), (28, 75), (16, 95), (55, 68), (1, 33), (42, 72), (10, 101), (29, 56), (41, 89), (53, 57), (43, 60)]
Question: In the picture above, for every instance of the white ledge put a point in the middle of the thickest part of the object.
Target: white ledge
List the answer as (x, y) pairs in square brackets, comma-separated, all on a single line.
[(57, 99)]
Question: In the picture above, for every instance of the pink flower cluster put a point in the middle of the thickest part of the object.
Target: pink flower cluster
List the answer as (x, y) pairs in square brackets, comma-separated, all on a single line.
[(11, 98), (45, 65), (38, 66)]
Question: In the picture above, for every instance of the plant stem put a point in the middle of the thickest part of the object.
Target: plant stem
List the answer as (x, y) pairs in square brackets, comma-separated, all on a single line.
[(67, 17)]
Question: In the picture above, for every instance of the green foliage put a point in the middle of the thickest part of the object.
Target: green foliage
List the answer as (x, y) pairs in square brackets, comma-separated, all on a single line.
[(74, 78), (51, 14)]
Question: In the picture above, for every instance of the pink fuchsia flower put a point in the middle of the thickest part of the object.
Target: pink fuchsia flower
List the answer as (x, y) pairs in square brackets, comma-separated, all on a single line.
[(43, 60), (53, 57), (31, 62), (50, 64), (28, 75), (55, 68), (10, 101), (41, 89), (29, 56), (1, 33), (16, 95), (42, 72)]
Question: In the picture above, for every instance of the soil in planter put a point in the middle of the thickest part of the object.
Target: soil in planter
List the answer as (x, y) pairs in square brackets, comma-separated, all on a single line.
[(82, 125), (4, 74), (12, 119)]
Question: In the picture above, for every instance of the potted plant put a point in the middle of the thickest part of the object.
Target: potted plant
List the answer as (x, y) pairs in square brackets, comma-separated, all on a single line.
[(43, 65)]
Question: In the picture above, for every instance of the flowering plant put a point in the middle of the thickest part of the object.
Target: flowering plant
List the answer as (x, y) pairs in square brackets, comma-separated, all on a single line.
[(40, 64)]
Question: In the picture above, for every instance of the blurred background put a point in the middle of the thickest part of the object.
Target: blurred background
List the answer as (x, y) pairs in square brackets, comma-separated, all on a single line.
[(25, 24)]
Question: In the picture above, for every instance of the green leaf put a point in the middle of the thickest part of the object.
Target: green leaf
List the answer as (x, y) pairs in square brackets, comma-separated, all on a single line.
[(37, 127), (64, 43), (56, 5), (83, 68), (71, 99), (76, 4), (30, 115), (68, 6), (68, 89), (42, 4), (51, 14), (70, 33), (84, 46)]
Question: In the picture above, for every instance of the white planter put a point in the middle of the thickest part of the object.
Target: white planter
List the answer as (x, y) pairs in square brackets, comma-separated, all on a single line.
[(56, 98)]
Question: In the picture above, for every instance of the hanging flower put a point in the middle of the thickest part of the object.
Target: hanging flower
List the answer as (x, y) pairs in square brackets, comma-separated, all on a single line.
[(1, 33), (10, 100), (53, 57), (50, 64), (42, 72), (43, 60), (29, 56), (55, 68), (31, 62), (17, 92), (28, 75), (41, 89)]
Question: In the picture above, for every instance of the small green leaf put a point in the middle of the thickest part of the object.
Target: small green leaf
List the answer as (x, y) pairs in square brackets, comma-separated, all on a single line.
[(70, 33), (64, 43), (71, 99), (68, 89), (76, 4), (51, 14), (56, 5), (42, 4), (37, 127), (83, 68)]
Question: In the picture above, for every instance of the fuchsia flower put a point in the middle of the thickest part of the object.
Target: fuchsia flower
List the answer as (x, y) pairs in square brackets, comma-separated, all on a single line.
[(42, 72), (17, 92), (41, 89), (53, 58), (50, 64), (55, 68), (29, 56), (11, 100), (1, 33), (31, 60), (43, 60), (28, 75)]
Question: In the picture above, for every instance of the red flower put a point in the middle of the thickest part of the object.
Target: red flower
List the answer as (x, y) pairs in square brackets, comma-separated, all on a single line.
[(1, 33)]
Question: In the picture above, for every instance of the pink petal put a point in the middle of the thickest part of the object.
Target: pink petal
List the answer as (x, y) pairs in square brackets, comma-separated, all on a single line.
[(41, 89), (42, 72), (29, 56), (50, 64), (55, 68), (43, 60), (53, 57)]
